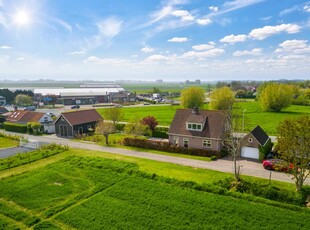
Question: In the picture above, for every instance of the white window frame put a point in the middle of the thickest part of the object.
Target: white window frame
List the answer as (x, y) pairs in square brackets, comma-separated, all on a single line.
[(190, 126), (176, 141), (206, 143), (186, 140)]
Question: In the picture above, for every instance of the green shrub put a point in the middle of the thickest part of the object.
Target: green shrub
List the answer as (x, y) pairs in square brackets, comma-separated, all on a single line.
[(160, 134), (1, 126), (165, 146), (18, 128)]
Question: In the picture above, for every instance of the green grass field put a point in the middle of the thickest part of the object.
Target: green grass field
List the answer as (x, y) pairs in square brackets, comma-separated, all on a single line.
[(253, 115), (92, 190), (7, 143)]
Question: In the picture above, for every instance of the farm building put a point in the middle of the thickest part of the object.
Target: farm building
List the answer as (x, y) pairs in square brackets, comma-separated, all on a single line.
[(71, 124)]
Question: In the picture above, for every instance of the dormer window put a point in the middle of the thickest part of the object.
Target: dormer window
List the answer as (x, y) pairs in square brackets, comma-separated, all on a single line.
[(194, 126)]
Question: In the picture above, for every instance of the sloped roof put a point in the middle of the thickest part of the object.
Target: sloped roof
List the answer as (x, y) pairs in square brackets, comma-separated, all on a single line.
[(22, 116), (81, 116), (213, 128), (31, 116), (260, 135), (3, 110)]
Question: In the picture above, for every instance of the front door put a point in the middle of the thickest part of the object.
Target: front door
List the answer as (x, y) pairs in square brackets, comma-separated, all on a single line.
[(63, 130)]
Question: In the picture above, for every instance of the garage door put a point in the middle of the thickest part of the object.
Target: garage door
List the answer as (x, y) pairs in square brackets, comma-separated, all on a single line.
[(250, 152)]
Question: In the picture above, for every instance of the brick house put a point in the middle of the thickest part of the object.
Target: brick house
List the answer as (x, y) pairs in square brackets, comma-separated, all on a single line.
[(71, 124), (201, 129)]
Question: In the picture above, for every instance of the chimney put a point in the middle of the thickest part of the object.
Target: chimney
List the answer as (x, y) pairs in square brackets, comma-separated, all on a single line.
[(195, 110)]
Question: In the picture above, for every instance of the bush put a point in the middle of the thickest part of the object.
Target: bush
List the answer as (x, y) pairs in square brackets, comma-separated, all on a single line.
[(165, 146), (160, 134), (1, 126), (18, 128)]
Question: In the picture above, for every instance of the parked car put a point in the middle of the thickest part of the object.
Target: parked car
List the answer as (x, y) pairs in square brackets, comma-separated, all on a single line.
[(75, 107), (277, 165), (30, 108)]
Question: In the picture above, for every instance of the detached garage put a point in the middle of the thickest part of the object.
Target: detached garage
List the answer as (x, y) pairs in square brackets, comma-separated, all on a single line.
[(252, 141)]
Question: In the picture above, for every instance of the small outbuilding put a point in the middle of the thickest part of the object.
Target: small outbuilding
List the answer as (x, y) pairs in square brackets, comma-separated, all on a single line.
[(75, 123), (252, 141)]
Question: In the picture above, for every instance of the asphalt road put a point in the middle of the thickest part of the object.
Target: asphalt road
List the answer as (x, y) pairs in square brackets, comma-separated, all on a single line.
[(247, 167)]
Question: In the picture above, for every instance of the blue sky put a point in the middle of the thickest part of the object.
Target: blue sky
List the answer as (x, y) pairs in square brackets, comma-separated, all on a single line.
[(173, 40)]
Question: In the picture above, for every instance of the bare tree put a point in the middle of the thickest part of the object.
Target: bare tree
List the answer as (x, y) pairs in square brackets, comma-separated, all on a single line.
[(233, 137)]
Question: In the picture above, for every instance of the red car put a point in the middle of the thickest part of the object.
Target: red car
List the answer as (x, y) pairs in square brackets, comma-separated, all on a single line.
[(277, 165)]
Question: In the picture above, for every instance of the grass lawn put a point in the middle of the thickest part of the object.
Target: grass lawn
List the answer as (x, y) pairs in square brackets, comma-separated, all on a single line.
[(253, 115), (269, 120), (7, 143), (76, 189)]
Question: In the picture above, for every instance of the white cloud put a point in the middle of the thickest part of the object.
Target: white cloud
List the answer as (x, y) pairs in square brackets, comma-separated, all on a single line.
[(3, 20), (62, 23), (5, 47), (20, 59), (294, 46), (183, 14), (110, 27), (210, 53), (157, 57), (178, 39), (289, 11), (77, 52), (254, 52), (147, 49), (267, 31), (204, 22), (213, 8), (234, 38), (203, 47), (104, 61), (306, 8)]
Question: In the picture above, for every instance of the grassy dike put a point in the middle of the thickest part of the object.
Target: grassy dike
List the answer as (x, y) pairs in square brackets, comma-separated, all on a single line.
[(95, 190)]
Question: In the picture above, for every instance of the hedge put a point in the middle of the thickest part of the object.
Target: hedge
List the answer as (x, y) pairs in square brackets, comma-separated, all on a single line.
[(13, 127), (164, 146)]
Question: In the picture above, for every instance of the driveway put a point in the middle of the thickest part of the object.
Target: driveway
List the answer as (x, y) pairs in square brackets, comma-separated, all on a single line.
[(4, 153)]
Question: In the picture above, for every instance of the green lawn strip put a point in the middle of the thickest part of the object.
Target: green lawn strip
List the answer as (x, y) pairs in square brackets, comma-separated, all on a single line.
[(269, 120), (145, 204), (50, 226), (9, 224), (7, 143)]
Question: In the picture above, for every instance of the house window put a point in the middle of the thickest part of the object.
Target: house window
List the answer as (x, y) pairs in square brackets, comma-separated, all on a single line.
[(250, 140), (194, 126), (176, 141), (206, 143), (185, 142)]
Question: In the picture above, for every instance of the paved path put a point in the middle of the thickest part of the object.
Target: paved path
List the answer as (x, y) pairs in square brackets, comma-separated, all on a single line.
[(248, 167)]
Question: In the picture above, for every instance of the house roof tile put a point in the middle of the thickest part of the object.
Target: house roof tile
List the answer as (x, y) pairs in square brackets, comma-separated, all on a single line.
[(260, 135), (213, 128), (82, 116)]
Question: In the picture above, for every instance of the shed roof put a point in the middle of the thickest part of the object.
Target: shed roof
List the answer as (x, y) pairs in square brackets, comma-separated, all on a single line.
[(81, 116), (260, 135)]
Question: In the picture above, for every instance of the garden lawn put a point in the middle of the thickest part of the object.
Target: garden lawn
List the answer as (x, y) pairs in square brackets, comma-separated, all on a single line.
[(7, 143), (269, 120), (99, 193)]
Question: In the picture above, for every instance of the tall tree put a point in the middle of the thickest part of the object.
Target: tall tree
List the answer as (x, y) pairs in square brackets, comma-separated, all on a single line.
[(192, 97), (275, 97), (113, 114), (222, 99), (8, 94), (23, 100), (233, 137), (104, 128), (294, 147), (151, 122)]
